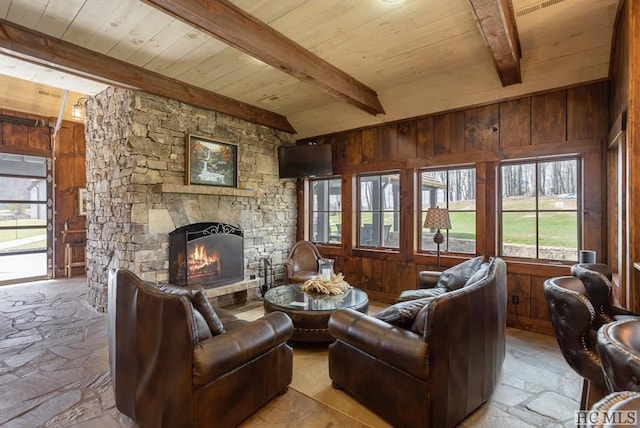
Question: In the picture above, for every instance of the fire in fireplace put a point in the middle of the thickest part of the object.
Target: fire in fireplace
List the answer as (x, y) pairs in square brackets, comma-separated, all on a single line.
[(207, 254)]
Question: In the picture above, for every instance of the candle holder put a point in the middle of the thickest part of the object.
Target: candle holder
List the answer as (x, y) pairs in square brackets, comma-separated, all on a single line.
[(325, 269)]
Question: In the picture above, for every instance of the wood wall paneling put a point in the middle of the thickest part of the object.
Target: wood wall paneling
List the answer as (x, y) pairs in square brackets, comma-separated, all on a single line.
[(531, 126), (549, 118), (424, 142), (515, 123), (584, 118), (481, 128), (448, 133)]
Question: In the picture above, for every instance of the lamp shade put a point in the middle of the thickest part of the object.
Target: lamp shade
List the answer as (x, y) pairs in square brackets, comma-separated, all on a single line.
[(437, 218)]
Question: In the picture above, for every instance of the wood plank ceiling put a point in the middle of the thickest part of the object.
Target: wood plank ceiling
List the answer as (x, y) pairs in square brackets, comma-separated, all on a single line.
[(415, 56)]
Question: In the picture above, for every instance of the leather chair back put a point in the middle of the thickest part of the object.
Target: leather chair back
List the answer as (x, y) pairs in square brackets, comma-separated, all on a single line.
[(596, 278), (302, 262), (619, 349), (573, 318)]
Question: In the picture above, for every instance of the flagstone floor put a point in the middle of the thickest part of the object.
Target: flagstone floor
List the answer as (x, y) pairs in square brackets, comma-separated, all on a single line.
[(54, 373)]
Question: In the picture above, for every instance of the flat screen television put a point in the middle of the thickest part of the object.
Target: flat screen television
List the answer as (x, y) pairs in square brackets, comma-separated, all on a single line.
[(309, 160)]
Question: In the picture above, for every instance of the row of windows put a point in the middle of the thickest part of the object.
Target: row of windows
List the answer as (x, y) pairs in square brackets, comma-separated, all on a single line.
[(539, 209)]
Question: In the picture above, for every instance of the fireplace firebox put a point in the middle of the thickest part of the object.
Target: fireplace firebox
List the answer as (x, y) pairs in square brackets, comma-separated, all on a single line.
[(206, 254)]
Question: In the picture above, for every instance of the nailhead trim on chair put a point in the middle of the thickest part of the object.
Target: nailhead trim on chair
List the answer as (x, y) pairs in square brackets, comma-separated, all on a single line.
[(615, 343)]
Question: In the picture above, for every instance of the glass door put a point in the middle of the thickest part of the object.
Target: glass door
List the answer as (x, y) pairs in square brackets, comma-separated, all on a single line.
[(25, 218)]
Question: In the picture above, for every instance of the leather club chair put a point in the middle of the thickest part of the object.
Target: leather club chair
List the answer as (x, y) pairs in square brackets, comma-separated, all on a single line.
[(619, 350), (177, 362), (302, 262), (606, 409), (574, 323), (596, 278)]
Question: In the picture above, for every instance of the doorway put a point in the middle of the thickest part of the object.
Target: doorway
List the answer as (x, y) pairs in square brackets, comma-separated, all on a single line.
[(26, 211)]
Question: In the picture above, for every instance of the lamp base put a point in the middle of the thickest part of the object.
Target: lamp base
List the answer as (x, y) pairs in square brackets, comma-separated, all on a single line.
[(438, 238)]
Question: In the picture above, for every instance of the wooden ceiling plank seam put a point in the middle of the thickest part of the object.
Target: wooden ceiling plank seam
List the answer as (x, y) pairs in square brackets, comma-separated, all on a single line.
[(114, 28), (58, 16), (77, 59), (496, 22), (224, 21), (79, 33), (162, 44), (139, 36)]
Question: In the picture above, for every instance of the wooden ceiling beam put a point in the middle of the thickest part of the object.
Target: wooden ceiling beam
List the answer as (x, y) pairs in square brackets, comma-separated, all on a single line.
[(55, 53), (226, 22), (497, 24)]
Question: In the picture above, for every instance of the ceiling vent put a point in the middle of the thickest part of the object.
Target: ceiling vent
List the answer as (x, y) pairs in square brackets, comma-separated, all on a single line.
[(49, 93), (538, 6)]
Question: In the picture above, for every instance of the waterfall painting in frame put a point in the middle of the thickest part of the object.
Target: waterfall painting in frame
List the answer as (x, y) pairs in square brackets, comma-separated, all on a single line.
[(211, 163)]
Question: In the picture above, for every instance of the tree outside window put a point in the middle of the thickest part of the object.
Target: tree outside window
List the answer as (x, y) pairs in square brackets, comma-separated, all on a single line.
[(326, 211), (540, 209), (379, 210), (455, 190)]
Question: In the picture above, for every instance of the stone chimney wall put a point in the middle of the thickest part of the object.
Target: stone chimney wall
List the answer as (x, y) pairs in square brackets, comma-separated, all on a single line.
[(134, 143)]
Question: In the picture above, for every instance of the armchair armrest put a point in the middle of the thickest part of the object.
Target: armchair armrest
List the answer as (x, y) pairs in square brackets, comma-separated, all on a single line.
[(225, 352), (428, 278), (393, 345)]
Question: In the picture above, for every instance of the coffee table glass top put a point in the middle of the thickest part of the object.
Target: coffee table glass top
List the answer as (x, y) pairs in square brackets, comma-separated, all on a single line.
[(291, 297)]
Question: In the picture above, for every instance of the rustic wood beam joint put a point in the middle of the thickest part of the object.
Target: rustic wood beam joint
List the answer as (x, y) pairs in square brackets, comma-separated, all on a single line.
[(54, 53), (497, 24), (226, 22)]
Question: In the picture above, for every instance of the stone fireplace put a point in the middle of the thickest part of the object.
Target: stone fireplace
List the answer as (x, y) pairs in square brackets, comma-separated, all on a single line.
[(206, 254), (135, 157)]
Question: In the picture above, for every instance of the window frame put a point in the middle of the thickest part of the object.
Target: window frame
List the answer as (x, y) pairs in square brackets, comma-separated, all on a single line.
[(445, 247), (579, 211), (380, 211), (328, 212)]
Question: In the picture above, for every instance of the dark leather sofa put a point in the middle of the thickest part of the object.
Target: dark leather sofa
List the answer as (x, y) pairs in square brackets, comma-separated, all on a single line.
[(433, 379), (177, 362)]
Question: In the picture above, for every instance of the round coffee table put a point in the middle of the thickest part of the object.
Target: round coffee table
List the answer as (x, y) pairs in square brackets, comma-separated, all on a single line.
[(310, 312)]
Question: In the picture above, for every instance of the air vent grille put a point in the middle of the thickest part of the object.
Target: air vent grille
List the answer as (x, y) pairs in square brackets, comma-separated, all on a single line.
[(537, 7), (49, 94)]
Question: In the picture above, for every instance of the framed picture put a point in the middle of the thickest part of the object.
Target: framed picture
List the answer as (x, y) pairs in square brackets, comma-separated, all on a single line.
[(82, 201), (210, 162)]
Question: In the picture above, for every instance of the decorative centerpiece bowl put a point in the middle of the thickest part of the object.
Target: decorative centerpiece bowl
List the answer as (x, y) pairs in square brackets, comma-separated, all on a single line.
[(335, 285)]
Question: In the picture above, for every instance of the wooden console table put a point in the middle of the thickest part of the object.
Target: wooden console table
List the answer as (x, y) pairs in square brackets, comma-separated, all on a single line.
[(70, 249)]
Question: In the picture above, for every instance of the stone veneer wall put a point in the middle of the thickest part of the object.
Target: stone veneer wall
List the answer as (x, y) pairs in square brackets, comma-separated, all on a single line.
[(136, 140)]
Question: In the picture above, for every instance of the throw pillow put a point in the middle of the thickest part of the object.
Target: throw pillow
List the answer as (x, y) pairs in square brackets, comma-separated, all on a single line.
[(420, 293), (402, 314), (419, 325), (200, 303), (479, 274), (456, 276)]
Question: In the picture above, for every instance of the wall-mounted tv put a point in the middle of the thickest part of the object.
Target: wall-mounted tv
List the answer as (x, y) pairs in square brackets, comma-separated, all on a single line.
[(309, 160)]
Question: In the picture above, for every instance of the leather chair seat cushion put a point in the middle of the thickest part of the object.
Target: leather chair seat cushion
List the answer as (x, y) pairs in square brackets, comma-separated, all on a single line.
[(402, 314), (457, 276), (200, 304), (420, 293)]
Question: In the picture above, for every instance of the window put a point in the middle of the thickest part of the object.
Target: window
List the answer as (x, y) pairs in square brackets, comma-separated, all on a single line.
[(326, 211), (379, 210), (540, 209), (455, 190)]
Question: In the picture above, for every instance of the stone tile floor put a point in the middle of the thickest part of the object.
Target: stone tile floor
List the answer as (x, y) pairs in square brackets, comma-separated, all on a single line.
[(54, 370)]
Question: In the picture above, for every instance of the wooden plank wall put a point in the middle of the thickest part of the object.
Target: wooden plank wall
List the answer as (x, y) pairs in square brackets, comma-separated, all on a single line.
[(69, 163), (70, 176), (562, 122)]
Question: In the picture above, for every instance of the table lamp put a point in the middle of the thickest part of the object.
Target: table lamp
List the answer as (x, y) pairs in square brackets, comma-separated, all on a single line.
[(437, 218)]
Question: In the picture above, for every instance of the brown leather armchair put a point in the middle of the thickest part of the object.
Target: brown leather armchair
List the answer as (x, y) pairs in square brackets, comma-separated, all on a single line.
[(575, 325), (619, 350), (435, 374), (302, 262), (175, 362), (617, 402)]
